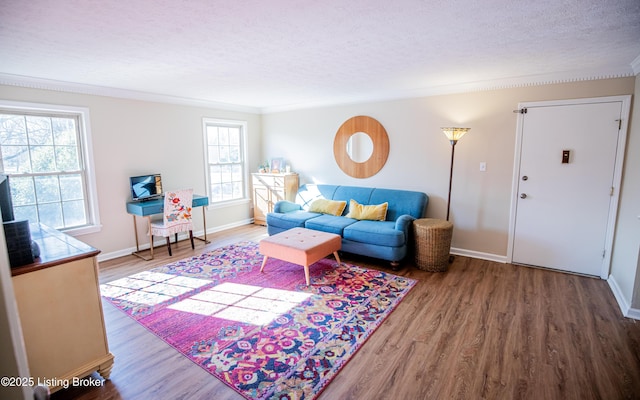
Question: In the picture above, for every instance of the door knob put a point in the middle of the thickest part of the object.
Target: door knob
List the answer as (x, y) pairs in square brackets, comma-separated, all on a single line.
[(524, 178), (523, 196)]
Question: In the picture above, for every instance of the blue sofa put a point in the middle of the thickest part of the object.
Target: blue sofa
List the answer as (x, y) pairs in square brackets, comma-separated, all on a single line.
[(386, 240)]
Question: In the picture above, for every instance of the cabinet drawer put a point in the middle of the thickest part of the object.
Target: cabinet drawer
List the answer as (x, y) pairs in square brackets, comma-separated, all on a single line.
[(278, 181), (263, 180)]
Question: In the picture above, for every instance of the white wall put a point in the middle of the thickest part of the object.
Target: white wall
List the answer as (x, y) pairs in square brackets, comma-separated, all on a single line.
[(136, 137), (420, 154), (625, 262)]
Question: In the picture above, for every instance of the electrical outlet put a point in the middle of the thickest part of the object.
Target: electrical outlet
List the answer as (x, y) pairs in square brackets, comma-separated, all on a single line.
[(483, 166)]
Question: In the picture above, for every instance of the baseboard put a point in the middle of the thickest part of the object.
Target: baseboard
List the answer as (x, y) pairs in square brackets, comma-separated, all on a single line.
[(633, 313), (480, 255), (623, 303), (617, 293), (161, 242)]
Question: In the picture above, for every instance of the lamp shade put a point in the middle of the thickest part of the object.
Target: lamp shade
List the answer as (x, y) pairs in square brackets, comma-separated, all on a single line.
[(454, 134)]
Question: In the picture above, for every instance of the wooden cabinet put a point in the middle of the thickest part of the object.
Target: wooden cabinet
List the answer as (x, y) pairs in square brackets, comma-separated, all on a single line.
[(60, 310), (268, 189)]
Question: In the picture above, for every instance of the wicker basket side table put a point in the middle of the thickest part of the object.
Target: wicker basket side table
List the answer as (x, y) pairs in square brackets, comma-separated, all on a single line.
[(432, 238)]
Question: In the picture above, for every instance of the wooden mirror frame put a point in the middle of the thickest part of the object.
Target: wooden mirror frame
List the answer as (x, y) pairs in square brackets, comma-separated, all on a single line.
[(378, 136)]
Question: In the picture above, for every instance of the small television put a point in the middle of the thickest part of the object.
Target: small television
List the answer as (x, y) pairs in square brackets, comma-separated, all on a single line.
[(146, 187), (6, 205), (22, 250)]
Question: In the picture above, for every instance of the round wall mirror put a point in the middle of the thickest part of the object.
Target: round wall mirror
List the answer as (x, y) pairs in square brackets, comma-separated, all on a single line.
[(359, 147), (368, 159)]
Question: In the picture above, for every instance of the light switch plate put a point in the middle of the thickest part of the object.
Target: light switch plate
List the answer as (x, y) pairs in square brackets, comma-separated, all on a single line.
[(483, 166)]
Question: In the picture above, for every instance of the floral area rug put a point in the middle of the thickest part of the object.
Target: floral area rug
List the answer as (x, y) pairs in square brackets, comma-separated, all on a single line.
[(266, 335)]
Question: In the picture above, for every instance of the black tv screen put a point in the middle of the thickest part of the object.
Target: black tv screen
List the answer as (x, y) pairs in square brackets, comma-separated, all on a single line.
[(146, 187), (6, 205)]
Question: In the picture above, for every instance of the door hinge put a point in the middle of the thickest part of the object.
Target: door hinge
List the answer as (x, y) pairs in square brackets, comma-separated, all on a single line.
[(619, 121), (520, 111), (612, 190), (604, 251)]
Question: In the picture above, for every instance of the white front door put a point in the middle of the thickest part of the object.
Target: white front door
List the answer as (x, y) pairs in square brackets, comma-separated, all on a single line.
[(566, 184)]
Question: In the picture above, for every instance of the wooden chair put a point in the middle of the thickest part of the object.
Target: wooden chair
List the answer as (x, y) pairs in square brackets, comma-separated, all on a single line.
[(176, 217)]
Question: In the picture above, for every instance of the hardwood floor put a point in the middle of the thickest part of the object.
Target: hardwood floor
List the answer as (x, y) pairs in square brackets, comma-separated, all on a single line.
[(482, 330)]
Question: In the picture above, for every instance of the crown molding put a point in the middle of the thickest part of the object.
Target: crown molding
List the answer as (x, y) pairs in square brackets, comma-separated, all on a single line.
[(478, 86), (78, 88), (495, 84)]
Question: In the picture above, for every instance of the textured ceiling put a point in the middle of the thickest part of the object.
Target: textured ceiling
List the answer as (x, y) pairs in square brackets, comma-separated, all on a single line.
[(282, 54)]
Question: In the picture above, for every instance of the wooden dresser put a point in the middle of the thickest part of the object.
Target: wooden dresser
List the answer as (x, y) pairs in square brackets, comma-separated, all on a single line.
[(60, 310), (268, 189)]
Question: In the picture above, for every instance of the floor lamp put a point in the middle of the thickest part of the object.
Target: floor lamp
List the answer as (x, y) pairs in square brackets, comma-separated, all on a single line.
[(453, 134)]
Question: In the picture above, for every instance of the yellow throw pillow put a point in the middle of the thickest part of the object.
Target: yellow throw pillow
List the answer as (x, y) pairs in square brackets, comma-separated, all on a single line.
[(333, 207), (373, 212)]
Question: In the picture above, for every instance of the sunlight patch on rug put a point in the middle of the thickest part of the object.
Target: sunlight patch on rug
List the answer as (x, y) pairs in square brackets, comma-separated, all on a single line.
[(266, 335), (242, 303)]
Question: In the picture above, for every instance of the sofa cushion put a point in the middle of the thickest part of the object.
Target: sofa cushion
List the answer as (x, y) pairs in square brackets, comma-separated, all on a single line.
[(357, 193), (382, 233), (293, 219), (359, 211), (324, 206), (329, 223), (400, 202), (309, 192)]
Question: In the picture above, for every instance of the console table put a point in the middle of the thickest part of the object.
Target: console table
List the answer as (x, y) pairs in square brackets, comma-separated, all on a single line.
[(58, 299), (268, 189), (153, 207)]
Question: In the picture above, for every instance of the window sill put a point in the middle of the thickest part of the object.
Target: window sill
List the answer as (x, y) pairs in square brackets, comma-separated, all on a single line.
[(85, 230)]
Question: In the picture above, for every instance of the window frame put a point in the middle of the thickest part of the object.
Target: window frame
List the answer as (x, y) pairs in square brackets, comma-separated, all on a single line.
[(206, 122), (86, 152)]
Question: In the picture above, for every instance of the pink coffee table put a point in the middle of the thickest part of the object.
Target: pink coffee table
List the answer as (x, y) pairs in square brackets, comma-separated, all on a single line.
[(300, 246)]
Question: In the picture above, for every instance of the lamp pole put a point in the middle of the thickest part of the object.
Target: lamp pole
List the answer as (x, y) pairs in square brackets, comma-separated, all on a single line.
[(453, 134), (453, 149)]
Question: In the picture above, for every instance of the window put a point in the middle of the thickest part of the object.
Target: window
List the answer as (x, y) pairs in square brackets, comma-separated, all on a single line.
[(225, 149), (44, 150)]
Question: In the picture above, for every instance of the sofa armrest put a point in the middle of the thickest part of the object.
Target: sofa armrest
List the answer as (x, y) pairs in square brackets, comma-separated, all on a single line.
[(285, 206), (403, 222)]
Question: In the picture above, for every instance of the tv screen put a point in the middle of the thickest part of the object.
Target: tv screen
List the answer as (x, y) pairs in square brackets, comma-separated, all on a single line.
[(6, 205), (146, 187)]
